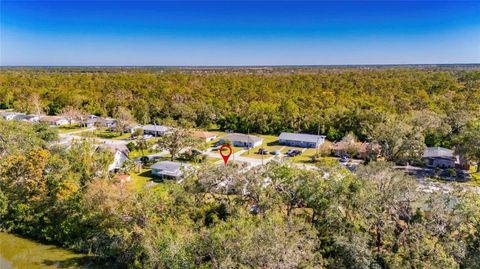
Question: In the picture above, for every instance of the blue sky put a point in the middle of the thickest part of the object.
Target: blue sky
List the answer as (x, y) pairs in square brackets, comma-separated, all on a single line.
[(107, 32)]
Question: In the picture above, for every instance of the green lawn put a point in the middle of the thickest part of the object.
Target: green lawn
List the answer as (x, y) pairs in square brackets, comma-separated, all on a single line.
[(70, 128), (105, 134), (138, 153), (145, 178), (305, 157), (475, 176)]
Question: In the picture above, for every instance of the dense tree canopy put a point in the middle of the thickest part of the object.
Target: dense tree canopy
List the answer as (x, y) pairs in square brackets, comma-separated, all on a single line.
[(335, 102), (272, 216)]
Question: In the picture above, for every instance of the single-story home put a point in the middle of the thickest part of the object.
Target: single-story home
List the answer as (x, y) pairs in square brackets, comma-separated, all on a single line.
[(243, 140), (155, 130), (106, 122), (168, 169), (54, 120), (120, 155), (301, 140), (28, 118), (11, 115), (90, 122), (207, 136), (440, 157)]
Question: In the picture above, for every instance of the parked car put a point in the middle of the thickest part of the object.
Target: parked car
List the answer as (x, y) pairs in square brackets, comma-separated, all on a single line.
[(463, 176), (147, 136), (344, 159), (262, 152), (276, 152), (293, 152)]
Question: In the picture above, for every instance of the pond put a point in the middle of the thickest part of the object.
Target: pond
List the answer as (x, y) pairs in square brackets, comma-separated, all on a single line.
[(19, 253)]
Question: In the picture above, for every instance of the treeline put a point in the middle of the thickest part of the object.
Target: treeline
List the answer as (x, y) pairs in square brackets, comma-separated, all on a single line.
[(334, 102), (223, 217)]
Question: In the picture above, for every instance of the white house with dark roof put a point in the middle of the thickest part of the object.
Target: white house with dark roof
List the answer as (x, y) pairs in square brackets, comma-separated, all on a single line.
[(168, 169), (440, 157), (243, 140), (120, 155), (301, 140)]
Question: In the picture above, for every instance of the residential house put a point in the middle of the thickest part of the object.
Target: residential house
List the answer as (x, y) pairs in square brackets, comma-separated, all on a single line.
[(90, 122), (28, 118), (243, 140), (10, 115), (54, 120), (106, 122), (440, 157), (207, 136), (155, 130), (301, 140), (168, 169), (120, 155)]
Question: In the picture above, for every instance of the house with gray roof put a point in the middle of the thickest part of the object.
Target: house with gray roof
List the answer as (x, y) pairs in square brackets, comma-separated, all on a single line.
[(10, 115), (301, 140), (155, 130), (440, 157), (168, 169), (243, 140), (28, 118)]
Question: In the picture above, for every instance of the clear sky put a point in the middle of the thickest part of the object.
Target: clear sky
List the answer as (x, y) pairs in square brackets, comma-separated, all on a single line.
[(107, 32)]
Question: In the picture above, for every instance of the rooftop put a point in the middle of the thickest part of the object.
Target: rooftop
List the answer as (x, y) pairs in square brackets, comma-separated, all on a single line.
[(114, 147), (202, 134), (243, 138), (438, 152), (158, 128), (168, 168), (302, 137)]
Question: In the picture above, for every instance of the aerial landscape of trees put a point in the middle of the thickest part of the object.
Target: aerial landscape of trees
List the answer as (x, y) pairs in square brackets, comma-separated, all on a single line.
[(433, 105), (226, 216)]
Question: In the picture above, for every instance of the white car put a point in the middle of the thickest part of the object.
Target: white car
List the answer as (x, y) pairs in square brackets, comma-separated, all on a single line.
[(147, 136)]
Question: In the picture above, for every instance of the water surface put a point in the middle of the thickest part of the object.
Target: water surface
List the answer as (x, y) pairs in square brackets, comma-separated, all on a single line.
[(20, 253)]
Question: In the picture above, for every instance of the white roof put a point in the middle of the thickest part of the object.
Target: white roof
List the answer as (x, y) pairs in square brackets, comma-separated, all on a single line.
[(243, 138), (438, 152), (168, 168), (302, 137), (158, 128)]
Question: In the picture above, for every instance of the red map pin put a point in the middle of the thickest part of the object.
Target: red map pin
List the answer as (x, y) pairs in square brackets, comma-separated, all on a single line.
[(226, 156)]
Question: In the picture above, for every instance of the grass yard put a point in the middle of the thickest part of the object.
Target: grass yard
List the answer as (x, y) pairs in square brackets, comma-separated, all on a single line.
[(138, 153), (105, 134), (145, 179), (70, 128), (270, 143), (305, 157), (475, 176)]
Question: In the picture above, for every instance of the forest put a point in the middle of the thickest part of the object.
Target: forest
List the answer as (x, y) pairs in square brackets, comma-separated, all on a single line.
[(335, 102), (273, 216), (270, 216), (404, 108)]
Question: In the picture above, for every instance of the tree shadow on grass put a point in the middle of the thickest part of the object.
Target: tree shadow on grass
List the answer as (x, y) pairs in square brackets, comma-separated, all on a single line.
[(273, 143), (152, 177)]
